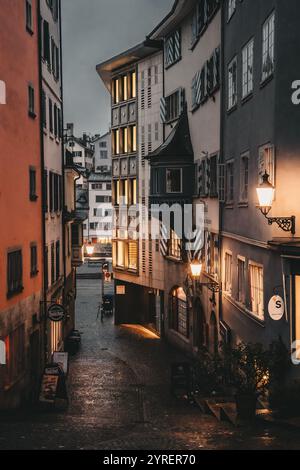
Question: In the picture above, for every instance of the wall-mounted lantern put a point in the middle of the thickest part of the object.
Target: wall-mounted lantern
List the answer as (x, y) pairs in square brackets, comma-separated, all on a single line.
[(266, 193)]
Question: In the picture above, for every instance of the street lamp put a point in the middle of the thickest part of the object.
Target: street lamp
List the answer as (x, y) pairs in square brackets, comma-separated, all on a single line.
[(195, 274), (90, 248), (196, 269), (265, 194)]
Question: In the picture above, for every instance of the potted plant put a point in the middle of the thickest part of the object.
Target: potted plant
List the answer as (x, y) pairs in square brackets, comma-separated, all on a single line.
[(246, 369)]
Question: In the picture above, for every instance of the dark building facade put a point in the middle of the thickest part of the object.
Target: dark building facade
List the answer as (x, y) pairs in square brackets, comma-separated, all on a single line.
[(260, 135)]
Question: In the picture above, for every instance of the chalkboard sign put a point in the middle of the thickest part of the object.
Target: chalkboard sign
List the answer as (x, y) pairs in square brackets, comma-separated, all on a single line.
[(53, 388)]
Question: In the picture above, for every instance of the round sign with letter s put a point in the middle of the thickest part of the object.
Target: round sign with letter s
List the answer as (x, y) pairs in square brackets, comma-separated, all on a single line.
[(276, 308)]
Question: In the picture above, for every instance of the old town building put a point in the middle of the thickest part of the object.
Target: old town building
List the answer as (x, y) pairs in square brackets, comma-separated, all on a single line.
[(21, 243)]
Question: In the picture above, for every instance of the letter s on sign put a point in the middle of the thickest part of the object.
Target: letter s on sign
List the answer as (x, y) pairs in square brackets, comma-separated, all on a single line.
[(296, 94)]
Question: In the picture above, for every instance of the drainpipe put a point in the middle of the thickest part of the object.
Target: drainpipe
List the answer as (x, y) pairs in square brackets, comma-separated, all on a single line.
[(44, 195)]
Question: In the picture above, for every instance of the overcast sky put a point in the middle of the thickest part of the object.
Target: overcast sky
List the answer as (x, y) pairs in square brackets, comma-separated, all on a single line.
[(93, 31)]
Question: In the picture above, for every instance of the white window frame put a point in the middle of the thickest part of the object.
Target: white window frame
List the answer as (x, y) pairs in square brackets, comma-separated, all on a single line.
[(266, 162), (247, 68), (227, 281), (232, 90), (241, 290), (258, 309), (268, 47)]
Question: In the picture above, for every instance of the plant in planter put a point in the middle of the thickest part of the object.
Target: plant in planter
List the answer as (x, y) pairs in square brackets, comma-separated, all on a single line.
[(246, 369)]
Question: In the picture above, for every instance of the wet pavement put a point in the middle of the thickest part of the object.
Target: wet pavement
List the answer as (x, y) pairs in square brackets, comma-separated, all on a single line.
[(120, 399)]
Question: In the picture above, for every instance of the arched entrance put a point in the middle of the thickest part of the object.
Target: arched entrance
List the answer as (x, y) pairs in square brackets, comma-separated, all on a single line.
[(200, 327)]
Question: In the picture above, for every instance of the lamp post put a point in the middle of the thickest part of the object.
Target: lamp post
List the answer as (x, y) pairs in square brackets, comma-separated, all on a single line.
[(265, 194)]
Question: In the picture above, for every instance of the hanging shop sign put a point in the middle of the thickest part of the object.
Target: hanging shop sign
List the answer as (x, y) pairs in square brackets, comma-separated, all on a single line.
[(56, 313), (276, 308)]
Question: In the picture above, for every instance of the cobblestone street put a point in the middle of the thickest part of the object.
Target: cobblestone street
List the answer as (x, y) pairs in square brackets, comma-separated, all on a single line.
[(119, 399)]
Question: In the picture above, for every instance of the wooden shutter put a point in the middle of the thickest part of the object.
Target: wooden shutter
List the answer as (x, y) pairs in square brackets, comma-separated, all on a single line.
[(163, 110)]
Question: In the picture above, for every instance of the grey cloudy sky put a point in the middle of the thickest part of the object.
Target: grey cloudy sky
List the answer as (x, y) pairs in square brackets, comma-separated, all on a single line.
[(93, 31)]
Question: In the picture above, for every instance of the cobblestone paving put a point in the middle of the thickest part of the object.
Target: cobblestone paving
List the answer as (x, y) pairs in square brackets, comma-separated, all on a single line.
[(119, 399)]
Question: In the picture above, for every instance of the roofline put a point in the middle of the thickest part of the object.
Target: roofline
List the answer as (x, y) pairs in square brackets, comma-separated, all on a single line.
[(171, 12), (126, 58)]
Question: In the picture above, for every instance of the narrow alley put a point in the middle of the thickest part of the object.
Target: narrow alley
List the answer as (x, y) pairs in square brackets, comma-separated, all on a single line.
[(120, 399)]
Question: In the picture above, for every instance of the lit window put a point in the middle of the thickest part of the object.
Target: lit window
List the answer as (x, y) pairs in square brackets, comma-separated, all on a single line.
[(256, 279), (174, 245), (228, 273), (120, 254), (247, 77), (174, 180), (132, 256), (116, 92), (268, 47), (124, 88)]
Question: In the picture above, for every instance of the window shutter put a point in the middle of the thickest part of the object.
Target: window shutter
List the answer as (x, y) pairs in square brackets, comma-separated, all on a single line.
[(163, 110), (177, 45), (198, 87), (207, 176), (221, 182), (216, 68), (181, 100)]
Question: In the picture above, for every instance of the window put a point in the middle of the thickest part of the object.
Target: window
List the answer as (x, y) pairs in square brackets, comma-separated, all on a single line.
[(15, 355), (46, 42), (268, 47), (156, 74), (256, 279), (174, 245), (103, 154), (174, 180), (55, 121), (232, 84), (132, 143), (33, 260), (247, 74), (32, 184), (50, 116), (45, 190), (178, 312), (244, 177), (132, 256), (229, 183), (2, 92), (266, 163), (132, 85), (52, 263), (46, 268), (120, 254), (231, 8), (14, 273), (228, 273), (31, 105), (173, 48), (103, 199), (29, 20), (156, 132), (57, 259), (75, 235), (241, 294), (116, 142), (213, 176), (173, 105), (116, 91), (44, 109), (124, 88)]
